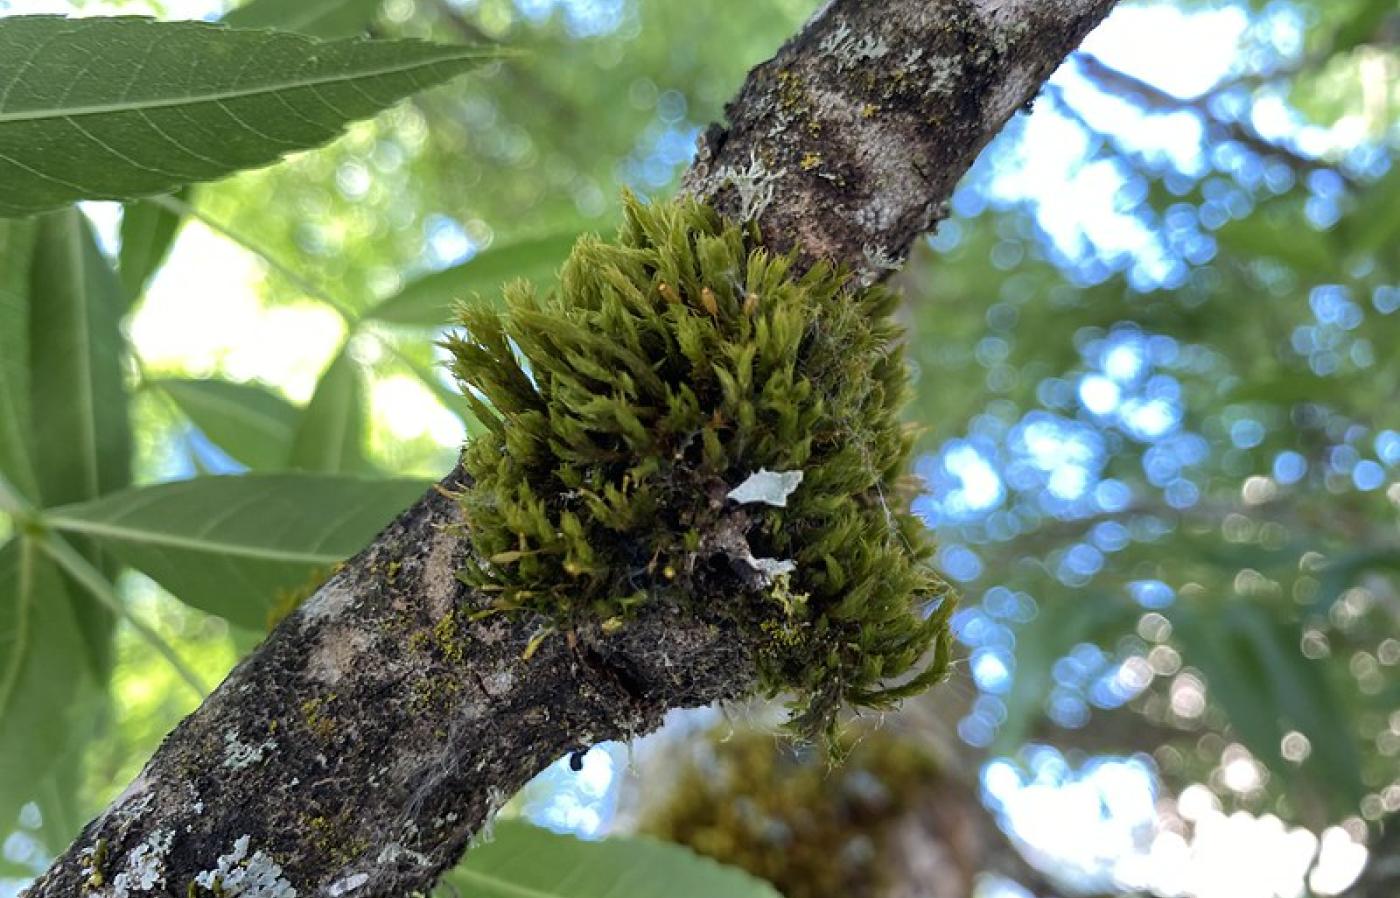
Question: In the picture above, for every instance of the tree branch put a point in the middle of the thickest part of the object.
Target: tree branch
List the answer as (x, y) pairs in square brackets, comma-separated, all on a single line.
[(360, 747), (1155, 99)]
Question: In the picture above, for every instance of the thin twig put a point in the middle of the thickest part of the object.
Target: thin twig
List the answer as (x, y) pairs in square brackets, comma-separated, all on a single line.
[(180, 207), (1154, 98)]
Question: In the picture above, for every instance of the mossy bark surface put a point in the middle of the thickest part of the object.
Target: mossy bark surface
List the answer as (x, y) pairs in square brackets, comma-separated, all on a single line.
[(358, 750)]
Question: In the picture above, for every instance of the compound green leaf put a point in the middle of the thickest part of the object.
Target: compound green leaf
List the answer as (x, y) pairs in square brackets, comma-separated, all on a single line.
[(123, 108), (233, 546), (524, 861)]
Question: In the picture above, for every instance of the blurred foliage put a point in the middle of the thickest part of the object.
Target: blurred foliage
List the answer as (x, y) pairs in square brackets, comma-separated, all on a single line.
[(1160, 417), (756, 801)]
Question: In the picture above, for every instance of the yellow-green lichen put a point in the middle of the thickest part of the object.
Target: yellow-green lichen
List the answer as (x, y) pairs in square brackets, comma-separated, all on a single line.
[(315, 714), (666, 369)]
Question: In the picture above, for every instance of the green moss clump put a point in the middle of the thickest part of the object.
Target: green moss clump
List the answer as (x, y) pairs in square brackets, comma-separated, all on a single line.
[(812, 830), (667, 368)]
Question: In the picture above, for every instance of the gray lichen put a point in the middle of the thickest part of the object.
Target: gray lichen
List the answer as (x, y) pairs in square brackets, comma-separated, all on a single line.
[(238, 875), (239, 754)]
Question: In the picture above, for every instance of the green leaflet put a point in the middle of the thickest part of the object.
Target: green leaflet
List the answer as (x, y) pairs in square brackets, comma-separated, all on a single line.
[(81, 431), (148, 232), (330, 436), (524, 861), (254, 425), (42, 674), (122, 108), (429, 301), (16, 252), (233, 545)]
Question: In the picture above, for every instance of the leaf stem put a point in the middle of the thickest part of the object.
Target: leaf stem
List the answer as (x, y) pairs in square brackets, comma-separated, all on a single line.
[(14, 504), (81, 570), (180, 207), (353, 322)]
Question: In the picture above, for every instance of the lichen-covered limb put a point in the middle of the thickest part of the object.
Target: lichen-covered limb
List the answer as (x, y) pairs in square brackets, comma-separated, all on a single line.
[(362, 745), (847, 145)]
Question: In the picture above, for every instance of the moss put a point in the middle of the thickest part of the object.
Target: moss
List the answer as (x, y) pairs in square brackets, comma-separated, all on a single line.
[(786, 815), (667, 368)]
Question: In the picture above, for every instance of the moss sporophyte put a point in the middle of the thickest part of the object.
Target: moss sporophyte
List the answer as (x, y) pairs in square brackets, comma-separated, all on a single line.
[(632, 416)]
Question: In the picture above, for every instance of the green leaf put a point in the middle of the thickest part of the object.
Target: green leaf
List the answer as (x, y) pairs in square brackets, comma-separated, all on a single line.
[(1304, 696), (1266, 688), (16, 252), (330, 436), (1054, 631), (123, 108), (428, 301), (524, 861), (41, 674), (233, 545), (254, 425), (1362, 26), (148, 231), (81, 432), (317, 18)]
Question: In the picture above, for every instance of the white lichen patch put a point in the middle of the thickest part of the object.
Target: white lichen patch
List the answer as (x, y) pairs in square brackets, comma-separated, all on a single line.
[(145, 866), (328, 602), (496, 798), (239, 754), (393, 852), (347, 885), (498, 683), (768, 487), (236, 875), (771, 568), (878, 258), (755, 185), (850, 50), (837, 38)]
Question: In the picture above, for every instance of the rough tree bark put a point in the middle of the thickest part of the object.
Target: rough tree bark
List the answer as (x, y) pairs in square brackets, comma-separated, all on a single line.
[(359, 748)]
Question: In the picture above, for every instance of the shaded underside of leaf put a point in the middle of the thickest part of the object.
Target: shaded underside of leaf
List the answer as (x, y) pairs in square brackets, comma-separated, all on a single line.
[(148, 231), (524, 861), (233, 546), (122, 108)]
